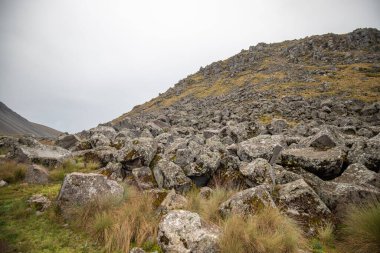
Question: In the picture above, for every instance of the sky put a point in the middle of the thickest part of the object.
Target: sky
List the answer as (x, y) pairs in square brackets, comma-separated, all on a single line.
[(73, 64)]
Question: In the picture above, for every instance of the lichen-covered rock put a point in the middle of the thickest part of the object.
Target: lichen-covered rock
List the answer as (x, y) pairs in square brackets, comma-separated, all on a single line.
[(326, 138), (113, 171), (277, 126), (172, 201), (170, 176), (99, 140), (68, 141), (138, 152), (144, 178), (36, 174), (259, 147), (205, 192), (79, 188), (300, 202), (39, 202), (258, 172), (358, 174), (247, 202), (325, 164), (49, 156), (137, 250), (184, 232)]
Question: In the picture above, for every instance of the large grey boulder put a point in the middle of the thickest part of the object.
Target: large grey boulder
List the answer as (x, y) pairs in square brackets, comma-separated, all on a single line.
[(68, 141), (138, 152), (99, 140), (184, 232), (259, 147), (36, 174), (325, 164), (258, 172), (358, 174), (172, 201), (300, 202), (49, 156), (79, 189), (113, 171), (170, 176), (144, 178), (247, 202), (277, 126), (107, 131)]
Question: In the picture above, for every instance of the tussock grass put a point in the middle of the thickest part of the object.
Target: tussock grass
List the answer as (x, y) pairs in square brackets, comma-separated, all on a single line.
[(72, 165), (119, 225), (326, 235), (12, 172), (361, 229), (208, 208), (266, 232)]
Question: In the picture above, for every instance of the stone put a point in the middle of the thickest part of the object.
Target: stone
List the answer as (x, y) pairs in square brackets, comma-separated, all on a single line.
[(205, 192), (247, 202), (277, 126), (49, 156), (259, 147), (138, 152), (3, 183), (79, 189), (172, 201), (299, 201), (257, 172), (113, 171), (68, 141), (325, 164), (99, 140), (358, 174), (208, 133), (39, 202), (169, 175), (184, 232), (137, 250), (144, 178), (36, 174)]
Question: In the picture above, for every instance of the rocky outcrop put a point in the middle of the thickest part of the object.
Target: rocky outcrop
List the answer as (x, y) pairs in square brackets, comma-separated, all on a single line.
[(184, 232), (259, 147), (170, 176), (79, 189)]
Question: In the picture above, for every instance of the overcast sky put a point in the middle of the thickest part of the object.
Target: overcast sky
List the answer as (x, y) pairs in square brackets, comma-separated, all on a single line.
[(73, 64)]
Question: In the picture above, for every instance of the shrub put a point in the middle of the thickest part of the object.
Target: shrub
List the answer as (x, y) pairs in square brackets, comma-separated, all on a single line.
[(361, 229), (12, 172), (268, 231)]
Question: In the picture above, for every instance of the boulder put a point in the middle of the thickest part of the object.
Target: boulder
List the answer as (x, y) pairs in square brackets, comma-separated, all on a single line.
[(325, 164), (277, 126), (205, 192), (68, 141), (99, 140), (247, 202), (184, 232), (79, 189), (170, 176), (259, 147), (258, 172), (144, 178), (137, 250), (208, 133), (107, 131), (358, 174), (49, 156), (36, 174), (39, 202), (138, 152), (300, 202), (3, 183), (172, 201), (113, 171), (326, 138)]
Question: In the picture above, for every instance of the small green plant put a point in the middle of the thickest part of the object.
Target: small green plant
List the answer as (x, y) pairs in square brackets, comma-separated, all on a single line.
[(361, 229)]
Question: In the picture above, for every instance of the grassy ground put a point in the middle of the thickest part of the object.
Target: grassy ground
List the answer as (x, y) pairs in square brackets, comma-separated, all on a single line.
[(21, 230)]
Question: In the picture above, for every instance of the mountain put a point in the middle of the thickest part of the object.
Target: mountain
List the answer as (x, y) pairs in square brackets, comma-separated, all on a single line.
[(13, 124), (267, 79)]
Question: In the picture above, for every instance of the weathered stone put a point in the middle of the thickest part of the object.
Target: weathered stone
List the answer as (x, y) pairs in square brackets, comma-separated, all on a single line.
[(169, 175), (113, 171), (184, 232), (144, 178), (39, 202), (325, 164), (138, 152), (36, 174), (259, 147), (300, 202), (68, 141), (277, 126), (99, 140), (80, 188), (358, 174), (247, 202), (137, 250), (258, 172), (3, 183), (208, 133), (172, 201), (45, 155), (205, 192)]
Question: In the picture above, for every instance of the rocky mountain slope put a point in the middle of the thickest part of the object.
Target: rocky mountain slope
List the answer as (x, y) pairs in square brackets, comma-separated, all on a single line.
[(13, 124), (293, 125)]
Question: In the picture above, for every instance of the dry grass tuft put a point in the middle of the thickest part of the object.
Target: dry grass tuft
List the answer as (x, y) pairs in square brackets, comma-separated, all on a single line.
[(361, 229), (12, 172), (267, 232)]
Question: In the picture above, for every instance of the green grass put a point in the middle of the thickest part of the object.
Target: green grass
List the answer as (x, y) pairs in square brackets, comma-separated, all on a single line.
[(72, 165), (12, 172), (23, 231)]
